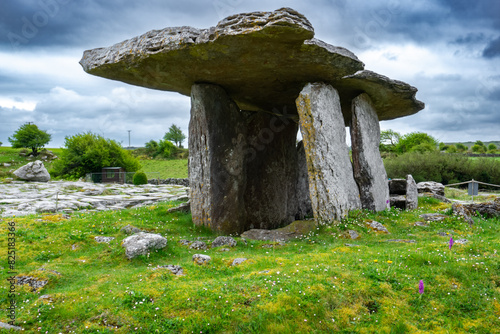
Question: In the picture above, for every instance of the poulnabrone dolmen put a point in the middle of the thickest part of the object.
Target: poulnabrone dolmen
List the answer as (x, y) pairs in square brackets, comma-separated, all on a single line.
[(254, 80)]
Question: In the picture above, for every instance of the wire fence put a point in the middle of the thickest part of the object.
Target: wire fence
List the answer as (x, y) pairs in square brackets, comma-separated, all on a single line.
[(473, 186), (117, 177)]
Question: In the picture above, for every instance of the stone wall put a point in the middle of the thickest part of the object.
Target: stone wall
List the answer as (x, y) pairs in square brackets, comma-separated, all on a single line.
[(180, 182)]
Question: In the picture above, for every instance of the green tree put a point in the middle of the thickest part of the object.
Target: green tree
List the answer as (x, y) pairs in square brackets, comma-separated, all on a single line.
[(1, 143), (416, 141), (175, 135), (29, 136), (480, 143), (461, 147), (89, 153), (477, 148), (491, 147), (452, 149), (166, 149), (152, 148), (388, 140)]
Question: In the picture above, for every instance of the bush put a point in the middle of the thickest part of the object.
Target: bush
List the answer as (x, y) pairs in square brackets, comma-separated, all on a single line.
[(140, 178), (444, 168), (461, 147), (166, 149), (417, 142), (89, 153)]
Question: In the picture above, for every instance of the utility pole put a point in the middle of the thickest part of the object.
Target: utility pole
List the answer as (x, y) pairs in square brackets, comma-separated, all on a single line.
[(129, 138)]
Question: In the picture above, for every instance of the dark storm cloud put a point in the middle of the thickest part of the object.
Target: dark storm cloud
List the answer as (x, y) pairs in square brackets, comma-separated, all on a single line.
[(493, 49)]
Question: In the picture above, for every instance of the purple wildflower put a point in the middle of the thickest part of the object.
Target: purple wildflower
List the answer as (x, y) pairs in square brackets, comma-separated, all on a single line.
[(451, 242), (421, 287)]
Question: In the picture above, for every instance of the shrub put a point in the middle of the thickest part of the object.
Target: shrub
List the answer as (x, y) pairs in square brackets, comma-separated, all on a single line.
[(166, 149), (461, 147), (416, 141), (478, 148), (444, 168), (89, 153), (140, 178)]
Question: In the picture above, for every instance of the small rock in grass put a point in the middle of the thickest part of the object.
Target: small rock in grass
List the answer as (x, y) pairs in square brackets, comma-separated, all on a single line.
[(377, 227), (351, 245), (142, 243), (433, 217), (223, 241), (461, 241), (224, 250), (353, 234), (129, 229), (176, 270), (238, 261), (198, 245), (401, 240), (3, 325), (443, 234), (33, 282), (421, 224), (104, 239), (201, 258), (185, 242)]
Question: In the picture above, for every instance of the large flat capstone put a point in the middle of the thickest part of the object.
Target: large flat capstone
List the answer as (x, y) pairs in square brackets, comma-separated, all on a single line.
[(261, 59)]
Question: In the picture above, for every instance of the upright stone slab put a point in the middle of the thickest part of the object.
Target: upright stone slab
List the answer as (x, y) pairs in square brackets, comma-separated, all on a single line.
[(332, 187), (411, 193), (369, 170), (217, 172), (303, 197), (271, 167)]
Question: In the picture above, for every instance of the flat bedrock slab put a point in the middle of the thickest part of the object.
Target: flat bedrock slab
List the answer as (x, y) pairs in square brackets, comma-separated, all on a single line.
[(332, 187), (435, 188), (297, 229), (33, 171), (369, 170), (262, 59)]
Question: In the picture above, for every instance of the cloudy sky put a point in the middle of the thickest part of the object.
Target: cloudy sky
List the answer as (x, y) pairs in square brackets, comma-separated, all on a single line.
[(448, 49)]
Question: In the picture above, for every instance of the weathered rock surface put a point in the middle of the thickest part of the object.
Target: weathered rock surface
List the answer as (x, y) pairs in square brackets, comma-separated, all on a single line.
[(3, 325), (22, 198), (297, 229), (142, 243), (217, 169), (369, 170), (487, 209), (271, 54), (435, 188), (353, 234), (303, 198), (176, 270), (34, 282), (129, 229), (377, 227), (433, 217), (411, 193), (184, 207), (223, 241), (238, 261), (100, 239), (201, 259), (332, 187), (198, 245), (463, 212), (33, 171)]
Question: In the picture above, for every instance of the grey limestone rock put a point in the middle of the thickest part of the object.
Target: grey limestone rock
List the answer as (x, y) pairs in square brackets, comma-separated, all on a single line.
[(377, 227), (3, 325), (369, 170), (129, 229), (100, 239), (176, 270), (33, 171), (198, 245), (142, 243), (421, 224), (433, 217), (223, 241), (201, 259), (353, 234), (238, 261), (184, 207), (411, 193), (435, 188), (332, 187), (303, 197), (33, 282)]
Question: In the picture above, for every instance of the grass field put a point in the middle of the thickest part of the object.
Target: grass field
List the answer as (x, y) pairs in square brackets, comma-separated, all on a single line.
[(165, 168), (317, 284)]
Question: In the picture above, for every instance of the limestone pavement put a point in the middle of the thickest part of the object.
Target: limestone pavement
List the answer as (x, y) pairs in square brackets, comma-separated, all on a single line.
[(23, 198)]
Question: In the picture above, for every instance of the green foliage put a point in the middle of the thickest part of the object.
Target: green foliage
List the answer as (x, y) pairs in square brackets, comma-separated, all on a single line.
[(451, 149), (461, 147), (29, 136), (388, 140), (89, 153), (140, 178), (416, 142), (167, 168), (151, 148), (175, 134), (166, 149), (476, 148), (491, 147), (444, 168)]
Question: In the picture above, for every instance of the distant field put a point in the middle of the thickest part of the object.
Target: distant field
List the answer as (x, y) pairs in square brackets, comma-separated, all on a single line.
[(166, 168)]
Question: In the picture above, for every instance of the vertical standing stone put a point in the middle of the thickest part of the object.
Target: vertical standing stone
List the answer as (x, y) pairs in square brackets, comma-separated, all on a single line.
[(369, 170), (331, 183), (217, 169), (270, 196), (303, 197), (411, 193)]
